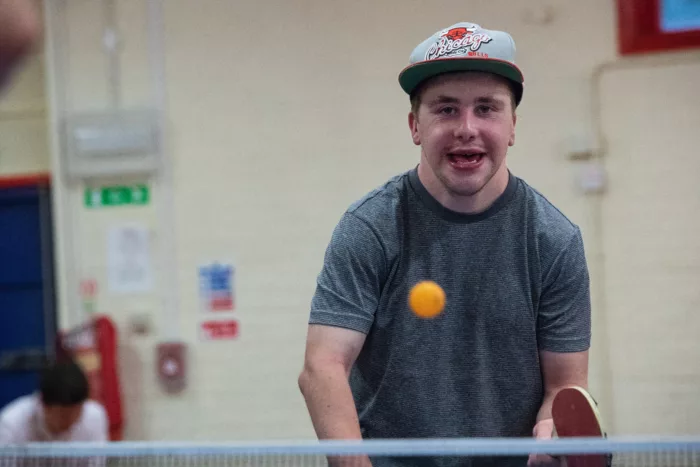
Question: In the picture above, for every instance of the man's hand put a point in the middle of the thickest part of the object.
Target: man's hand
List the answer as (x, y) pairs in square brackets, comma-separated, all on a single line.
[(543, 430)]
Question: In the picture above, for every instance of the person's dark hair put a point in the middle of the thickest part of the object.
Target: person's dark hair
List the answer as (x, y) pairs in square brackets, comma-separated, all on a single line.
[(63, 383)]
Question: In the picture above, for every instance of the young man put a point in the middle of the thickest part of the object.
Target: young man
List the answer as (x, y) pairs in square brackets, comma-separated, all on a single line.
[(516, 325), (19, 31), (60, 412)]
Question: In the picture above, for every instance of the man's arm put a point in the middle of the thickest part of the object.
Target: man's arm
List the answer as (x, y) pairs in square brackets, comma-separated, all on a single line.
[(347, 294), (330, 354), (564, 332), (564, 323), (558, 371), (20, 29)]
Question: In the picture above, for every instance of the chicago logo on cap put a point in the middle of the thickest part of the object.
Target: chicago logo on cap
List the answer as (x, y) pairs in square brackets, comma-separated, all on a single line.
[(457, 41)]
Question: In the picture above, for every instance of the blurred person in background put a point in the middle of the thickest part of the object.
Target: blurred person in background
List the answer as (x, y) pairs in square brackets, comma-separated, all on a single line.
[(20, 30), (60, 412)]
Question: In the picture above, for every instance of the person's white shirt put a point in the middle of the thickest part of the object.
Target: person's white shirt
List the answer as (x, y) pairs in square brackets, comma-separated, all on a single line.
[(22, 421)]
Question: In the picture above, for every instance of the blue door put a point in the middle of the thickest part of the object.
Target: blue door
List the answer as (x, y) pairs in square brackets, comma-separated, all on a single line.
[(27, 305)]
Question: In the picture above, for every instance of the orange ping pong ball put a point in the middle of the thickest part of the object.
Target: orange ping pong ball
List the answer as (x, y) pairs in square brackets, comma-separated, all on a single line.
[(426, 299)]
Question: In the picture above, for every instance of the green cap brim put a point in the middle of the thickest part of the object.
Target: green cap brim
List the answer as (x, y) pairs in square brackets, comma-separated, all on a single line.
[(413, 75)]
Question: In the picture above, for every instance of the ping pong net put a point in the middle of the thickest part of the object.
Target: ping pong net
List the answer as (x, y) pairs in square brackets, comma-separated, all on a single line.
[(637, 452)]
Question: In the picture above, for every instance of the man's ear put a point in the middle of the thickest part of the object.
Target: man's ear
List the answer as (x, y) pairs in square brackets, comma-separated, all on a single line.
[(413, 125), (511, 141)]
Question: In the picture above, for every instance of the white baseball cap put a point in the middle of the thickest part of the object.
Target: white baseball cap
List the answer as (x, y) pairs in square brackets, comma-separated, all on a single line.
[(463, 47)]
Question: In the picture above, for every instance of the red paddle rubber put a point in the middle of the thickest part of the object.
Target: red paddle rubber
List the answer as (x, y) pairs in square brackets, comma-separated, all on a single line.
[(575, 414)]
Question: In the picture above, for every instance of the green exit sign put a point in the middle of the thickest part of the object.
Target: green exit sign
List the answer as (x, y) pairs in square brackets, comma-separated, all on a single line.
[(116, 196)]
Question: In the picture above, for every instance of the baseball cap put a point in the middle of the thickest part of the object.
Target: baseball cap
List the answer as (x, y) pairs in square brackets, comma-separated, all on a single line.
[(463, 47)]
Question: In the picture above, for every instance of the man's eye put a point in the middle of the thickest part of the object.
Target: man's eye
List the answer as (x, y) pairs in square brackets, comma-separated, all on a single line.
[(448, 110), (484, 109)]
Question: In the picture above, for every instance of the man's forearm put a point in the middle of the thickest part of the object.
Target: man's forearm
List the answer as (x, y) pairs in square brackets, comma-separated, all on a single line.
[(330, 403), (332, 408)]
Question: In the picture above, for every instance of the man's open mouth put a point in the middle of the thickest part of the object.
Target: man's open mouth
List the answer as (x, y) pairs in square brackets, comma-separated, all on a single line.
[(465, 160)]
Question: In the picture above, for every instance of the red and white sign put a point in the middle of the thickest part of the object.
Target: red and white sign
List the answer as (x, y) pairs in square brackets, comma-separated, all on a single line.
[(219, 330)]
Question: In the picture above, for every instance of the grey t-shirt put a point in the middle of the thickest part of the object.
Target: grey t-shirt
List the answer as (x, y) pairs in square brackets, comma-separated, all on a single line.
[(516, 282)]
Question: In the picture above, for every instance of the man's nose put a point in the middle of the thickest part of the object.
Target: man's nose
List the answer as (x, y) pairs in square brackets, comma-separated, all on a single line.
[(467, 127)]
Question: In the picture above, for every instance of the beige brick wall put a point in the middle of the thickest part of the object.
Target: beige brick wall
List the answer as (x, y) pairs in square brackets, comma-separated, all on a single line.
[(652, 257), (282, 113)]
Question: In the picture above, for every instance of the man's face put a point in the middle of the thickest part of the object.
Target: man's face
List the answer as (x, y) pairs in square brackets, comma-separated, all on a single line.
[(60, 418), (464, 124)]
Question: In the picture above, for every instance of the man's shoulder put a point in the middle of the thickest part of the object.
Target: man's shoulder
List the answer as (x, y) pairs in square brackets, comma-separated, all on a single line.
[(93, 411), (382, 202), (19, 410), (549, 223), (16, 420)]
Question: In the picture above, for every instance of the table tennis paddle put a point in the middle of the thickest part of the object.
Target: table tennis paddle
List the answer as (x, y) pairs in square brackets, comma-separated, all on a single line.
[(575, 414)]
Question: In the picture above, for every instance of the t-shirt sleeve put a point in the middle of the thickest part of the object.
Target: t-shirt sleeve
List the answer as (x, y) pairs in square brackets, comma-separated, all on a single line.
[(564, 315), (351, 280)]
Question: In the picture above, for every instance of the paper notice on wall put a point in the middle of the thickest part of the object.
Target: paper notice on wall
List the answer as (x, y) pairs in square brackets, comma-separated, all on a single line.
[(129, 268)]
